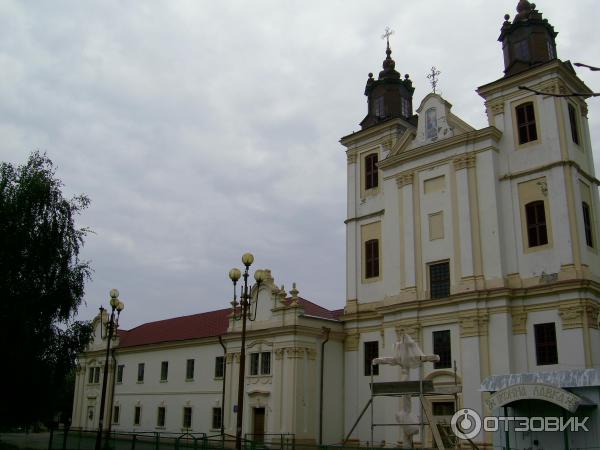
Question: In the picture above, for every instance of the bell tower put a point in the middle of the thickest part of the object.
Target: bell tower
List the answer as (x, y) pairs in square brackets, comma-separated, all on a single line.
[(389, 96), (528, 40), (545, 155)]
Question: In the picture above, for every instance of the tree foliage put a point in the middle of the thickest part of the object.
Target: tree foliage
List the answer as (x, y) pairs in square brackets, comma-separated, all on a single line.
[(42, 283)]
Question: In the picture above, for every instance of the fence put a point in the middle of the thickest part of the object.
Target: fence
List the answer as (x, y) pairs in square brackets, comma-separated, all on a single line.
[(75, 439)]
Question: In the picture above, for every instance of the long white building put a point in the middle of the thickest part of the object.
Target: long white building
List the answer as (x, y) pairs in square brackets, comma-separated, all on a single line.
[(481, 244)]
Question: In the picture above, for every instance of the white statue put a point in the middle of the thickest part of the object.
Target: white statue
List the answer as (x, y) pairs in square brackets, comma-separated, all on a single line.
[(408, 356)]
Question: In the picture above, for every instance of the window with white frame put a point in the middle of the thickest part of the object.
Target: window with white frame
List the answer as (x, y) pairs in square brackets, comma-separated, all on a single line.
[(260, 363)]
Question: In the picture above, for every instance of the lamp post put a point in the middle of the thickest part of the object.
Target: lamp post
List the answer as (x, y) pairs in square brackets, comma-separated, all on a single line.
[(241, 311), (116, 305)]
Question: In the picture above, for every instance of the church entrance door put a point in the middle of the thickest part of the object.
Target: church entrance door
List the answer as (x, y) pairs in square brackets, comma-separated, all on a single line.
[(259, 424)]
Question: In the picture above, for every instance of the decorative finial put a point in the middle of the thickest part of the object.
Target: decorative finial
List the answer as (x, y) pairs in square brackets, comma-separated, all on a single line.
[(433, 78), (386, 35), (282, 295), (294, 293), (523, 9)]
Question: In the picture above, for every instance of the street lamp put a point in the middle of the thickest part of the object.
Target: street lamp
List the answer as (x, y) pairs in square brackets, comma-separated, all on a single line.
[(116, 305), (241, 311)]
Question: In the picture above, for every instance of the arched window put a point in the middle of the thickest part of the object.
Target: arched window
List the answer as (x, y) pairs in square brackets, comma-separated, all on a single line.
[(371, 174), (372, 258), (536, 223)]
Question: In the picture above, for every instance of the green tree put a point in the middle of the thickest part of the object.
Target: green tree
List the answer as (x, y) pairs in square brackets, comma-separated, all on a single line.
[(42, 285)]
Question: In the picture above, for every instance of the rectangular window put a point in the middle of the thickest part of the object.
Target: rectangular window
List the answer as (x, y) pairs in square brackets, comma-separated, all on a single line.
[(160, 416), (187, 417), (536, 223), (439, 280), (371, 352), (573, 121), (371, 171), (372, 258), (116, 413), (137, 415), (379, 110), (587, 224), (406, 107), (546, 351), (265, 363), (254, 363), (522, 50), (140, 376), (260, 363), (164, 370), (216, 418), (120, 369), (94, 375), (189, 369), (526, 123), (219, 366), (441, 347)]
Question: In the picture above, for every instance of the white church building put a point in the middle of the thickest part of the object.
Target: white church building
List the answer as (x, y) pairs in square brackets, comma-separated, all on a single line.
[(480, 244)]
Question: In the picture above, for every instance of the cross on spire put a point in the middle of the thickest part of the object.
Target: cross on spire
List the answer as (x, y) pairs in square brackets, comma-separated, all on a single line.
[(387, 34), (433, 78)]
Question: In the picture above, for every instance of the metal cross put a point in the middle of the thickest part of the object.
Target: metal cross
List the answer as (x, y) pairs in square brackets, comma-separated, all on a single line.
[(387, 34), (433, 78)]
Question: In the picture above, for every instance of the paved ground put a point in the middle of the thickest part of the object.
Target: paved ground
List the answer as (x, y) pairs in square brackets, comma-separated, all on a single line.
[(31, 440)]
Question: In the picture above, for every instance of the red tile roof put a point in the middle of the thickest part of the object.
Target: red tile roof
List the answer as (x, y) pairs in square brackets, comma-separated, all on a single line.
[(209, 324), (213, 323), (312, 309)]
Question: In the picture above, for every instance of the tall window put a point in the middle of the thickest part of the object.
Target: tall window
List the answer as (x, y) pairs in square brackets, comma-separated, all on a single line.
[(441, 347), (405, 107), (535, 215), (137, 415), (573, 121), (371, 352), (164, 370), (265, 363), (160, 416), (545, 344), (372, 258), (216, 418), (526, 123), (187, 417), (439, 280), (219, 366), (140, 376), (522, 50), (587, 224), (371, 174), (260, 363), (94, 375), (116, 414), (189, 369), (379, 110), (120, 369)]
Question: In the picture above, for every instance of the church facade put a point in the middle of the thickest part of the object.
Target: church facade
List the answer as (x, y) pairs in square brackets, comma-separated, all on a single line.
[(480, 244)]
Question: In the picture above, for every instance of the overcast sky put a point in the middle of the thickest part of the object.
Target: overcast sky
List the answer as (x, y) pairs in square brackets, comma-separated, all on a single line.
[(203, 129)]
